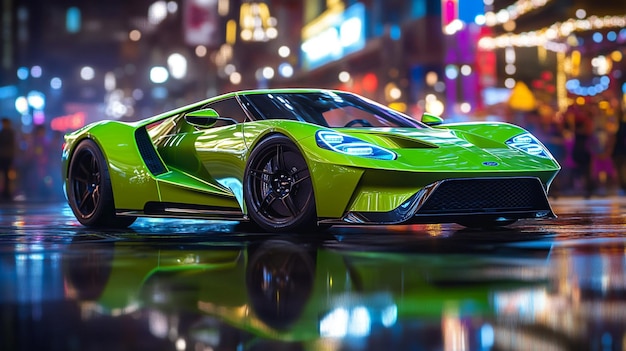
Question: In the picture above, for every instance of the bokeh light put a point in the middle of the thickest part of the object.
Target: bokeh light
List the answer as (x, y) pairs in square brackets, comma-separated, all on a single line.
[(158, 75), (87, 73)]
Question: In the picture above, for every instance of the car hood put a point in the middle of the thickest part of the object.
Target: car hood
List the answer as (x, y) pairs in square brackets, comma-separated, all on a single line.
[(443, 149)]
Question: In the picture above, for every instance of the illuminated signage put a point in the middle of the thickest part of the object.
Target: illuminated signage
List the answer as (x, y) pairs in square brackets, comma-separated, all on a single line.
[(201, 22), (333, 36), (455, 14), (256, 22), (68, 122), (449, 12)]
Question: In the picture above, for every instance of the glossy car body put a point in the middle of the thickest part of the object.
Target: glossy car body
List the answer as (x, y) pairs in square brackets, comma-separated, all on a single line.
[(292, 159)]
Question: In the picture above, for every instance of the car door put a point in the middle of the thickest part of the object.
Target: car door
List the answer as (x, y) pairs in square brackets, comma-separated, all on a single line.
[(206, 162)]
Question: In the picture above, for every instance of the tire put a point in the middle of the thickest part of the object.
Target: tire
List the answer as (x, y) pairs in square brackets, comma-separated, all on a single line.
[(90, 195), (277, 187)]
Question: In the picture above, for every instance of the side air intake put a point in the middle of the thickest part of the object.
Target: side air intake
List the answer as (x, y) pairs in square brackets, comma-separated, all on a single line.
[(148, 153)]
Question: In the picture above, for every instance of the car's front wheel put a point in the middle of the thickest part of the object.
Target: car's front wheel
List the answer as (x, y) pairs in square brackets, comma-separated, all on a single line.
[(89, 192), (277, 187)]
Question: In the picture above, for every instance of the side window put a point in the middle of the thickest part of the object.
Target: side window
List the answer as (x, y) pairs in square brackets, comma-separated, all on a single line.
[(228, 108)]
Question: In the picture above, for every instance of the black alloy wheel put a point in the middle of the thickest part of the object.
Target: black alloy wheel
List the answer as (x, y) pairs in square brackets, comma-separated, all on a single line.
[(278, 187), (89, 188)]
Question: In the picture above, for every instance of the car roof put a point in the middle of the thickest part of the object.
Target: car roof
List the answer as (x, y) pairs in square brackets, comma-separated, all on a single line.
[(169, 113)]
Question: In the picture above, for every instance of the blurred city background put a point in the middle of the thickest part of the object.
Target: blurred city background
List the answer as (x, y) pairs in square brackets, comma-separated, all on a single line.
[(556, 67)]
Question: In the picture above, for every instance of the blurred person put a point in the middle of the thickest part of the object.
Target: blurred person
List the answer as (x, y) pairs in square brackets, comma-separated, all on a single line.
[(581, 150), (55, 181), (601, 160), (604, 174), (37, 163), (566, 175), (619, 149), (22, 167), (552, 134), (7, 154), (532, 121)]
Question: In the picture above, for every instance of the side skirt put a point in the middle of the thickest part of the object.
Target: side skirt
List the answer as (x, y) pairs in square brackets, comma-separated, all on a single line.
[(187, 211)]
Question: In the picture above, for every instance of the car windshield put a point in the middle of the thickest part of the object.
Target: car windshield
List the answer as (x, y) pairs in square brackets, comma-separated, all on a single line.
[(328, 109)]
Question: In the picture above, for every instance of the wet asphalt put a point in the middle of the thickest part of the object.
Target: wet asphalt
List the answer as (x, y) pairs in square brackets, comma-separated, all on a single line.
[(168, 284)]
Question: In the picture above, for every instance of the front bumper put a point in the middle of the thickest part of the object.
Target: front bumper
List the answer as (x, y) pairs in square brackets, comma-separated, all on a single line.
[(497, 199)]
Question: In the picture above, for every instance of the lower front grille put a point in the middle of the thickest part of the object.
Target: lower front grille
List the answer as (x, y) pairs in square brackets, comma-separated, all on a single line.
[(485, 195)]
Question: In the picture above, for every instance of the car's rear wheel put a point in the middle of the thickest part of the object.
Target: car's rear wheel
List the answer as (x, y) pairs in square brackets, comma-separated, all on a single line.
[(277, 187), (90, 195)]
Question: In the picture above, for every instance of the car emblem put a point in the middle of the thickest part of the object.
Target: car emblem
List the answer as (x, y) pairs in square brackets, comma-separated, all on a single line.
[(490, 163)]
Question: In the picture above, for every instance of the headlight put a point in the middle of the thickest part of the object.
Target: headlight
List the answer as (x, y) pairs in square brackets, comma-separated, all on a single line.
[(529, 144), (349, 145)]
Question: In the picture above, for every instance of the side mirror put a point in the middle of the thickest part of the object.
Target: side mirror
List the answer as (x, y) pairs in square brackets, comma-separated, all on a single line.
[(431, 120), (204, 118)]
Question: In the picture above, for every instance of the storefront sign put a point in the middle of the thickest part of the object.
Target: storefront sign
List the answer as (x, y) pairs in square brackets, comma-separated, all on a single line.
[(333, 36)]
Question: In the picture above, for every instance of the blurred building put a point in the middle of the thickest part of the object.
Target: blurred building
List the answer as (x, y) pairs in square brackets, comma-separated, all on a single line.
[(66, 63), (567, 52)]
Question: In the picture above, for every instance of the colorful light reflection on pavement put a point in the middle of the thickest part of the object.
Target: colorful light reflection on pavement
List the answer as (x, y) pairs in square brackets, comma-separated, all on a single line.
[(196, 285)]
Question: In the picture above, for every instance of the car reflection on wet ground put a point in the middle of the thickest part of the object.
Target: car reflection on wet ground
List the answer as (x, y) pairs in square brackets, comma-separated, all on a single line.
[(197, 285)]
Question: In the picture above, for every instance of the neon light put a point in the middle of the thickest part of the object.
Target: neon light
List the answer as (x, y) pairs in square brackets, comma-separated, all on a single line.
[(449, 11), (73, 20), (333, 35), (68, 122), (350, 32)]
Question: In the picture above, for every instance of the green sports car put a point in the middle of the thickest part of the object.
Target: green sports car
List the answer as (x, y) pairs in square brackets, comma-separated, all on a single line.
[(301, 159)]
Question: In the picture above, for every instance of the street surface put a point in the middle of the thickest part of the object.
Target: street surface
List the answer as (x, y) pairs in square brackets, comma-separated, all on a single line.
[(198, 285)]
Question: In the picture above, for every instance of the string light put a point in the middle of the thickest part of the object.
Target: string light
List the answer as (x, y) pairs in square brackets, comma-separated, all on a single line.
[(547, 37), (514, 11), (600, 84)]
